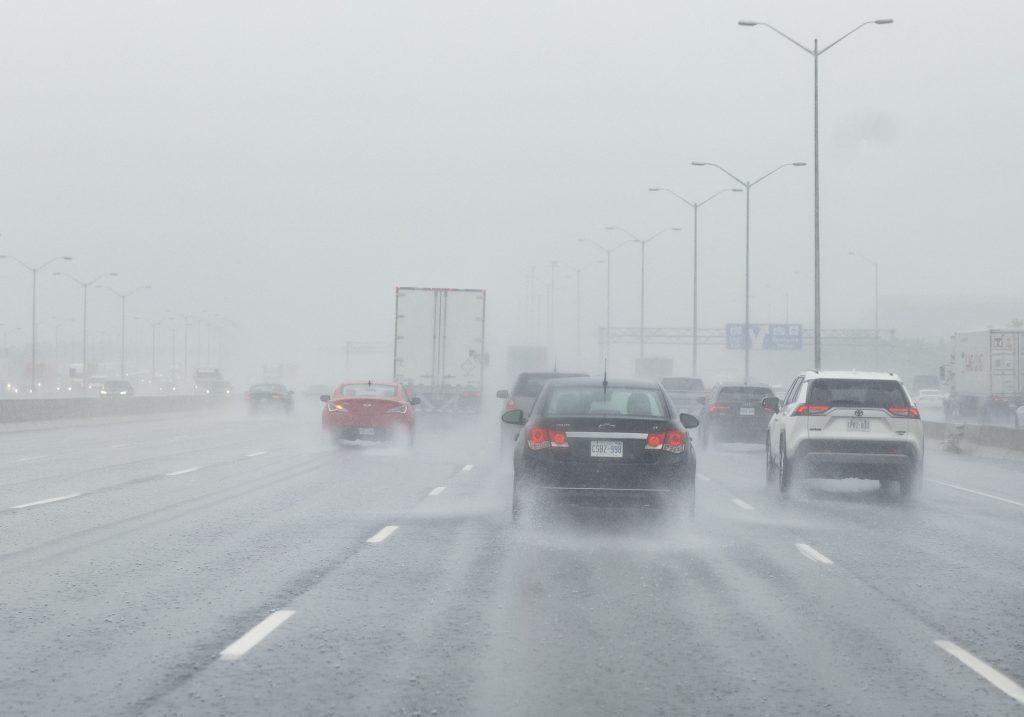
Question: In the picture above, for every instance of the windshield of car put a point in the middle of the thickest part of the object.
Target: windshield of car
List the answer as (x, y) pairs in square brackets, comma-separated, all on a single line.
[(368, 390), (858, 393), (268, 388), (616, 401), (743, 393)]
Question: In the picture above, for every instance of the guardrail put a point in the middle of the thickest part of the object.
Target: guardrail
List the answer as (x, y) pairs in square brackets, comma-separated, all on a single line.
[(49, 409), (1010, 439)]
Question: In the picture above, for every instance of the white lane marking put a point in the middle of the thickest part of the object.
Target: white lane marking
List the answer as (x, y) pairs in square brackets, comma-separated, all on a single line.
[(812, 554), (743, 504), (183, 471), (381, 535), (701, 476), (29, 458), (437, 491), (467, 467), (252, 638), (257, 453), (990, 673), (978, 492), (44, 502)]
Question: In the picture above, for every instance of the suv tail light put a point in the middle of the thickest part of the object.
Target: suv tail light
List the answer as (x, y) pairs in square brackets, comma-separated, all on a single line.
[(718, 408), (806, 409), (539, 438), (671, 441), (904, 412)]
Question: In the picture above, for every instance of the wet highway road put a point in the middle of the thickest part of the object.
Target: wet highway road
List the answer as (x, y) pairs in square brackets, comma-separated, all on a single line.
[(222, 565)]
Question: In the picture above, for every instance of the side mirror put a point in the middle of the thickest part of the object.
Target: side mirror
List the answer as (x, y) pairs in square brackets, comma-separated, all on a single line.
[(503, 393), (325, 398), (515, 417), (701, 400), (771, 403), (688, 421), (415, 401)]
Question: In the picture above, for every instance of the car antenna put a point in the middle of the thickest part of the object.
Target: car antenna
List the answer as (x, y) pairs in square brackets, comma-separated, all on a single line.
[(604, 382)]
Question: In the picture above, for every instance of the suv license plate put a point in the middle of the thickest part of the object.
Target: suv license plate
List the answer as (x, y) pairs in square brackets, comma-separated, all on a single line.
[(606, 449), (746, 411), (857, 424), (366, 431)]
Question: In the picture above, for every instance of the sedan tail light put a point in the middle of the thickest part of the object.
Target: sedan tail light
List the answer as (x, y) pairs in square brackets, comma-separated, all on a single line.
[(539, 438), (404, 408), (336, 407), (806, 409), (671, 441), (718, 408)]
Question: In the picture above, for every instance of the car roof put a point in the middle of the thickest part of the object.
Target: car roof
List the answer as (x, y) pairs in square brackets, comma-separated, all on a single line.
[(863, 375), (597, 382)]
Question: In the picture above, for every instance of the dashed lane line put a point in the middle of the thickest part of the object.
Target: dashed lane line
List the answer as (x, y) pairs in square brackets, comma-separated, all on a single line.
[(257, 453), (810, 553), (743, 504), (467, 467), (383, 534), (701, 476), (183, 471), (978, 492), (256, 635), (981, 667), (26, 459), (44, 502), (437, 491)]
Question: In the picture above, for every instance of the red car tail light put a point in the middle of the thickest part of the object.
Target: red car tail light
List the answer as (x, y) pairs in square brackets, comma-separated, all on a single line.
[(904, 412), (336, 407), (806, 409), (655, 441), (718, 408), (404, 408), (539, 438), (276, 396), (675, 441)]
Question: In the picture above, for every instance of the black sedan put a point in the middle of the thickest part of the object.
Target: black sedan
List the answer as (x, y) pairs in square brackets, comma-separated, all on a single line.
[(590, 439), (733, 413), (269, 397)]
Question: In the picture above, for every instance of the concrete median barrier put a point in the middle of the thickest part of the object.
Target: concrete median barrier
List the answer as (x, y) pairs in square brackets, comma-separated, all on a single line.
[(48, 409), (1011, 439)]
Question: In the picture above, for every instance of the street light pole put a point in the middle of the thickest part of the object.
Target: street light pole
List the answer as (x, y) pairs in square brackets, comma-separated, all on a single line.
[(696, 206), (746, 310), (124, 298), (608, 292), (35, 270), (816, 53), (875, 265), (85, 313), (643, 269)]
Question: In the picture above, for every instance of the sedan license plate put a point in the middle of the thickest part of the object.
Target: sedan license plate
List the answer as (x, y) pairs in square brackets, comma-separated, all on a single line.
[(366, 431), (746, 411), (857, 424), (606, 449)]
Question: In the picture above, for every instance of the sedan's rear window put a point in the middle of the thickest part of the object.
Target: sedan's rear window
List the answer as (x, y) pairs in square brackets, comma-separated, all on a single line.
[(368, 390), (586, 401), (856, 393), (743, 393)]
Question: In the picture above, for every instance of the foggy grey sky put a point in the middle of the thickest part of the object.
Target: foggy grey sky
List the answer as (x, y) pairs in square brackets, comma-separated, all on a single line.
[(288, 164)]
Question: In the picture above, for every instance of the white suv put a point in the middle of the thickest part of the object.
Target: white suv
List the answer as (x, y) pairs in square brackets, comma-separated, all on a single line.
[(845, 424)]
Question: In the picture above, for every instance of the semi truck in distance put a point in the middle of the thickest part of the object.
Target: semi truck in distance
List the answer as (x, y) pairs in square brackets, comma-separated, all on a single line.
[(984, 375), (439, 347)]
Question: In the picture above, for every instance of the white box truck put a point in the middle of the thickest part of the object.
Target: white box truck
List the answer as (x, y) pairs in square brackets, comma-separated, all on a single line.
[(985, 376), (439, 346)]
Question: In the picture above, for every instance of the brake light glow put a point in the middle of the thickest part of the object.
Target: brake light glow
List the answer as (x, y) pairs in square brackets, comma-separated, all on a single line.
[(539, 438), (904, 412), (336, 407), (510, 405), (718, 408), (404, 408), (655, 440), (671, 441), (806, 409)]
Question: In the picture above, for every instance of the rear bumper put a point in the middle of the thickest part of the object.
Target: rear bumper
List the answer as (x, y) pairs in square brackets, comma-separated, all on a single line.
[(844, 459), (572, 479)]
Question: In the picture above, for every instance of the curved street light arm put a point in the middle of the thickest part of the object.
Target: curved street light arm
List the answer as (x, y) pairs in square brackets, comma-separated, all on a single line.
[(781, 33), (781, 166), (675, 194), (625, 231), (836, 42), (720, 191), (720, 168)]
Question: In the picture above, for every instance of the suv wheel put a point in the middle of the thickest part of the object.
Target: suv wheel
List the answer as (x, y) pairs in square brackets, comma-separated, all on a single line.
[(770, 475), (786, 469)]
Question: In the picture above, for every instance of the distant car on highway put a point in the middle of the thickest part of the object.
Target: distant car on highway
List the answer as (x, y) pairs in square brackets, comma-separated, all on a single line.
[(525, 390), (588, 440), (930, 399), (213, 388), (370, 411), (1018, 417), (269, 397), (687, 393), (733, 413), (116, 388), (166, 387), (845, 424)]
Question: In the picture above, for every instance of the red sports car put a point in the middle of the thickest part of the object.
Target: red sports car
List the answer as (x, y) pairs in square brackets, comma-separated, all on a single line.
[(370, 411)]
